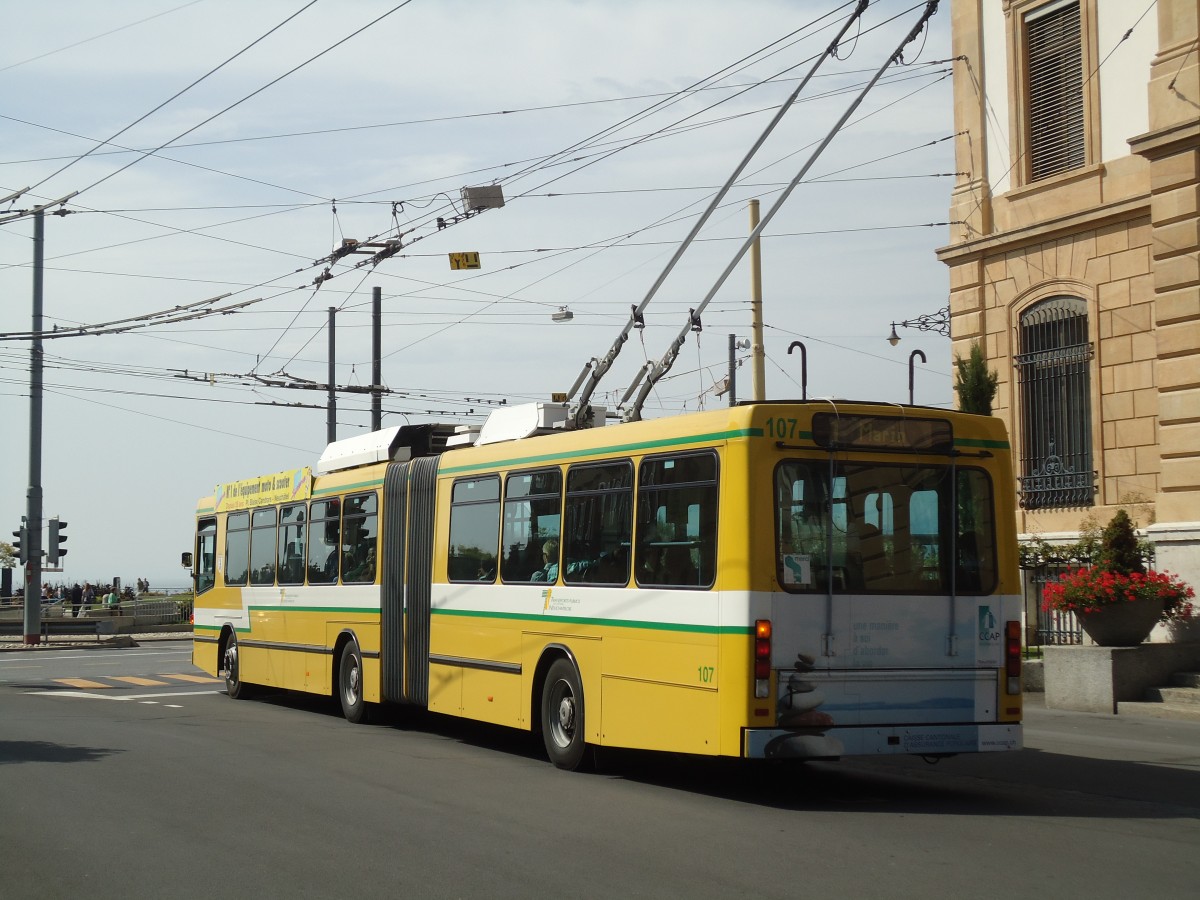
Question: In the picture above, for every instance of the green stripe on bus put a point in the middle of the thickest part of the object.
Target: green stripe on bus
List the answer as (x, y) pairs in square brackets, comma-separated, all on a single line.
[(604, 451), (368, 610), (348, 488), (611, 623), (980, 442)]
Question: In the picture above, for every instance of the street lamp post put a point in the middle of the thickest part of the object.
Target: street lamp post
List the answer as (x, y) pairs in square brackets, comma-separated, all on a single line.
[(938, 322)]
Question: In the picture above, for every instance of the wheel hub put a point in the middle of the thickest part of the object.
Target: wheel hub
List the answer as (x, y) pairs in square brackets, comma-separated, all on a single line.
[(564, 724)]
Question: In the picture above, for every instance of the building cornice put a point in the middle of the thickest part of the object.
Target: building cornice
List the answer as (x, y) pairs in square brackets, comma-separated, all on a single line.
[(1167, 141), (1039, 232)]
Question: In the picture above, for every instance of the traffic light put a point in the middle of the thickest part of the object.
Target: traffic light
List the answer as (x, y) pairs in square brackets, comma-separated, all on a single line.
[(21, 544), (58, 536)]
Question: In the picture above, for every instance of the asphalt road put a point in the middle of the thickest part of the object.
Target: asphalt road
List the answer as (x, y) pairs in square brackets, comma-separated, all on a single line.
[(173, 790)]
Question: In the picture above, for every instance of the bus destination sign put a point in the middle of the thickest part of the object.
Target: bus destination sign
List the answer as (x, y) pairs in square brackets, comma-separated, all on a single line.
[(882, 433)]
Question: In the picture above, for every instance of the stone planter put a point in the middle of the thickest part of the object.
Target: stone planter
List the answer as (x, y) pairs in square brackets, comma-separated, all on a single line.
[(1121, 624)]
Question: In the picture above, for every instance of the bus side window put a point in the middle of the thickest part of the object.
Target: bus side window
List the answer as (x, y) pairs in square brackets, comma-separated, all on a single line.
[(291, 544), (237, 547), (262, 546), (598, 524), (677, 516), (324, 541), (474, 529), (359, 530), (532, 507)]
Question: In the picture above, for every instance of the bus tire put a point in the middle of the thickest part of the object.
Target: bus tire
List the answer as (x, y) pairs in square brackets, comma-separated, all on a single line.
[(234, 686), (562, 716), (350, 684)]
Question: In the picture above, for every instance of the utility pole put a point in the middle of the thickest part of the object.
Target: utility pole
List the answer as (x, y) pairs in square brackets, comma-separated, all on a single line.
[(33, 498), (376, 359), (757, 352), (732, 376), (331, 414)]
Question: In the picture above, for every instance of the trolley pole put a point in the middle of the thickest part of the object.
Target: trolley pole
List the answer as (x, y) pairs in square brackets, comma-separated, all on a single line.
[(331, 409), (757, 352), (376, 359), (33, 498)]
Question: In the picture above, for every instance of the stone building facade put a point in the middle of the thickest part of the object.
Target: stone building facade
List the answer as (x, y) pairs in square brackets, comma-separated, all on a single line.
[(1075, 254)]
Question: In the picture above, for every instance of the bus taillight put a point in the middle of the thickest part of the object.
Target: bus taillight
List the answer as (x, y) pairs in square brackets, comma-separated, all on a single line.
[(762, 658), (1012, 655)]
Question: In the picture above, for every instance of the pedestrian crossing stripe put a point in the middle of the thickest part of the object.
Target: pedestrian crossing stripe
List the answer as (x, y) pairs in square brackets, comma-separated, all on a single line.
[(87, 684), (81, 683)]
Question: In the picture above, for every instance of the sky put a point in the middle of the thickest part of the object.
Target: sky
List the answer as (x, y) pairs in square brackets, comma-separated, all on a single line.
[(225, 149)]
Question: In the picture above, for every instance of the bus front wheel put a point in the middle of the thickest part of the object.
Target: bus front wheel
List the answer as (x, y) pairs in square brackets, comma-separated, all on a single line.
[(350, 684), (234, 686), (562, 716)]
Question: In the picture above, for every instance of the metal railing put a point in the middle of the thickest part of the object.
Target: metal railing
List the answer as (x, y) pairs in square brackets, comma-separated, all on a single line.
[(1047, 627), (145, 610)]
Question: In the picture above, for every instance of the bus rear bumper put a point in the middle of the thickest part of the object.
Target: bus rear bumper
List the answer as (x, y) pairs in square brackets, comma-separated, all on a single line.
[(920, 740)]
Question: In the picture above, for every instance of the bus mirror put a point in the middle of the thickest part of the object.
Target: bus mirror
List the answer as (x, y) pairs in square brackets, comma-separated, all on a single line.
[(186, 560)]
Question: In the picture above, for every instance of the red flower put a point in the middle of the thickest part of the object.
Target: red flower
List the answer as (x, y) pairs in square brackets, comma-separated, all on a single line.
[(1091, 589)]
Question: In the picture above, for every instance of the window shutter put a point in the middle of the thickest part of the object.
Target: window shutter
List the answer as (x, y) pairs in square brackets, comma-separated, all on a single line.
[(1054, 58)]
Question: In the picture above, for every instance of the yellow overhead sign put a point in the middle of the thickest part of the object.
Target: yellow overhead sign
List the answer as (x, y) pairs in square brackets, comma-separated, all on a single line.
[(265, 490), (464, 260)]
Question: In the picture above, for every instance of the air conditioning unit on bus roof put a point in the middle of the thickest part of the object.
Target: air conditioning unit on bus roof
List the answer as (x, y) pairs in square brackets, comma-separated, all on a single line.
[(362, 450)]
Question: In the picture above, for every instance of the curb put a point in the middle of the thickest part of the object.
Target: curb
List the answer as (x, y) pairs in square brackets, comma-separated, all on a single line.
[(111, 642)]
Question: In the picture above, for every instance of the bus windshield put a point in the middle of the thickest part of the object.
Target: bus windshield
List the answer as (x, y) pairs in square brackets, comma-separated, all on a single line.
[(884, 528)]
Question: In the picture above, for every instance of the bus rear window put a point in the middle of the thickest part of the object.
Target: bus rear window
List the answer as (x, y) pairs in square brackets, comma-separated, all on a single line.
[(884, 529)]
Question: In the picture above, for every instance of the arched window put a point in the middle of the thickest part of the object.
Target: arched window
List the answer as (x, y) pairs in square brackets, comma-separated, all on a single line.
[(1053, 375)]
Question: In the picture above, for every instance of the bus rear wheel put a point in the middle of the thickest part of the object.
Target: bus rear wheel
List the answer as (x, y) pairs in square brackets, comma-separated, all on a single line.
[(234, 686), (562, 716), (350, 684)]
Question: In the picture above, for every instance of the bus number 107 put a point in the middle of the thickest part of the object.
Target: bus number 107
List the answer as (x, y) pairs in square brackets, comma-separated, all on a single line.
[(706, 674), (781, 428)]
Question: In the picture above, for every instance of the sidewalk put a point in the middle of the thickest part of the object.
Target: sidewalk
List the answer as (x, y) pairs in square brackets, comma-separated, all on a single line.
[(15, 643)]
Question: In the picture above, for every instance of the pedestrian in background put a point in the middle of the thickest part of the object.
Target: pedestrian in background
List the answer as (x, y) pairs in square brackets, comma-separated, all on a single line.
[(76, 598)]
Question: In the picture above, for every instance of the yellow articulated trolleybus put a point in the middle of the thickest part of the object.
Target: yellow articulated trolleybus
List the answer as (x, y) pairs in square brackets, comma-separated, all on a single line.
[(801, 580)]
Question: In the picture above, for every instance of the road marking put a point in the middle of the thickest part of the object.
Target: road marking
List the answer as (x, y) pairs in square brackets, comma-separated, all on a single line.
[(82, 683), (86, 695), (173, 694), (139, 681)]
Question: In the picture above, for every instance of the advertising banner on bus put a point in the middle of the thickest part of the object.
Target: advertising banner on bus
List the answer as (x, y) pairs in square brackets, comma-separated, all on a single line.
[(265, 490)]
